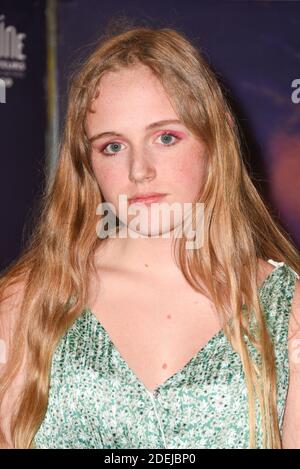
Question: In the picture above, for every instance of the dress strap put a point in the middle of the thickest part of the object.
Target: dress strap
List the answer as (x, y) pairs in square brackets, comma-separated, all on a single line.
[(277, 304), (275, 263), (278, 264), (276, 299)]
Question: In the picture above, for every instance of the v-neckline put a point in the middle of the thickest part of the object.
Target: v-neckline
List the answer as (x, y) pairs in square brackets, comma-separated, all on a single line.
[(219, 334), (175, 375)]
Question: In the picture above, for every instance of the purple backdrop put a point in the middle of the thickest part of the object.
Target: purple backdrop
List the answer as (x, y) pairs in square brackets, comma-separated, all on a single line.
[(253, 46)]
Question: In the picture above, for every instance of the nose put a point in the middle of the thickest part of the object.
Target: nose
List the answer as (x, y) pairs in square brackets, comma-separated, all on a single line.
[(141, 169)]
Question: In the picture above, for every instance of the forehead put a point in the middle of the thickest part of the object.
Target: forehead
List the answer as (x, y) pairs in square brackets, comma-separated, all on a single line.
[(129, 96)]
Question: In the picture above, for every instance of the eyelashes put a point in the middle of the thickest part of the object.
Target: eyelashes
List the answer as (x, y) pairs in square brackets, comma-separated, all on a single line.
[(163, 134), (108, 153)]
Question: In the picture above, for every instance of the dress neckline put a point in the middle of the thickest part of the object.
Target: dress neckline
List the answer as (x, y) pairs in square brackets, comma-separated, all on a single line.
[(220, 334)]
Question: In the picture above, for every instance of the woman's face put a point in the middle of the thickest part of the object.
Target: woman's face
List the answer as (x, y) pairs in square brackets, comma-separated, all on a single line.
[(133, 156)]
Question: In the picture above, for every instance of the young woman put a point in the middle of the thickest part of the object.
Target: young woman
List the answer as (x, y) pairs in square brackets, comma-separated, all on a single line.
[(135, 341)]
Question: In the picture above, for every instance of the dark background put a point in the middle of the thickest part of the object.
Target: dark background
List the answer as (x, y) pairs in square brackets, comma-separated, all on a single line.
[(22, 130), (253, 46)]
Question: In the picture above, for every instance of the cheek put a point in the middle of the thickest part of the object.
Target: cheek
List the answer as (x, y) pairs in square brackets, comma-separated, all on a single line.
[(189, 173), (110, 181)]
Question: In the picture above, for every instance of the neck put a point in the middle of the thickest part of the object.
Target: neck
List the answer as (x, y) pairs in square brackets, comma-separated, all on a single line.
[(141, 254)]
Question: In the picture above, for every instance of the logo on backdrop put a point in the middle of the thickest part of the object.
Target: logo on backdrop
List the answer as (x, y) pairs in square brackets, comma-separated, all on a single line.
[(12, 57)]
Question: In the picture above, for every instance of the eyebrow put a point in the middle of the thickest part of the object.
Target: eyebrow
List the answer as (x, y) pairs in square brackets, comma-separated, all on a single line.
[(148, 127)]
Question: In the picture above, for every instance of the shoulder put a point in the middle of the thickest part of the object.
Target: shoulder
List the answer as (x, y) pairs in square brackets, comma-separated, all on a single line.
[(294, 334), (264, 269), (293, 304), (291, 423), (294, 330), (12, 294), (11, 300), (10, 307), (285, 320)]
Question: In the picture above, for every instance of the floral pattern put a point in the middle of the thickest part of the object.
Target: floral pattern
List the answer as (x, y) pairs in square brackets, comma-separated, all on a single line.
[(96, 400)]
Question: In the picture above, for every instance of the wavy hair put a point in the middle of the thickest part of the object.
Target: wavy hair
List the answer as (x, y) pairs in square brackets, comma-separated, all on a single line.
[(56, 263)]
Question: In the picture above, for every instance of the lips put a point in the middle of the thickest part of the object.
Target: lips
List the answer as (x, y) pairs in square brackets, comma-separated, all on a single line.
[(148, 198)]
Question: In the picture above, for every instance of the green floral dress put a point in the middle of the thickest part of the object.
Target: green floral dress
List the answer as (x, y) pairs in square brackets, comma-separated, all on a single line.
[(96, 400)]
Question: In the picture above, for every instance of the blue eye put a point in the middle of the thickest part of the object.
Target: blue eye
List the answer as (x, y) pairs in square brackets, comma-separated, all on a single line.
[(114, 146), (166, 138)]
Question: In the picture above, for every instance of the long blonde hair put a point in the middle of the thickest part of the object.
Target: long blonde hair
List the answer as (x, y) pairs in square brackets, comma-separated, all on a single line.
[(57, 261)]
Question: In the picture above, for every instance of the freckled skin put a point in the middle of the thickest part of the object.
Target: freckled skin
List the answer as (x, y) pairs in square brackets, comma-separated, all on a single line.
[(144, 163), (169, 316)]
